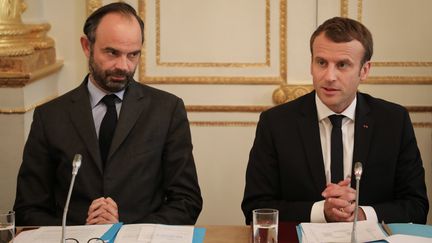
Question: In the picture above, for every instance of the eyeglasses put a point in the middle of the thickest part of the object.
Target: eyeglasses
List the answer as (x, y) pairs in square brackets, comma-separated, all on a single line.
[(91, 240)]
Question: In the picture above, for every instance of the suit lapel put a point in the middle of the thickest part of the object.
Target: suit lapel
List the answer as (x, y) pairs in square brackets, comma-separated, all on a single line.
[(364, 125), (134, 103), (82, 118), (309, 130)]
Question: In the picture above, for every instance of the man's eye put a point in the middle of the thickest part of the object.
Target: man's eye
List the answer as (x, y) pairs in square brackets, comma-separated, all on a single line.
[(134, 55), (321, 62), (343, 65), (111, 53)]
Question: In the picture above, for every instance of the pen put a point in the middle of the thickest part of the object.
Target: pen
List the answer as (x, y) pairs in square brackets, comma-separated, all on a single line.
[(386, 228)]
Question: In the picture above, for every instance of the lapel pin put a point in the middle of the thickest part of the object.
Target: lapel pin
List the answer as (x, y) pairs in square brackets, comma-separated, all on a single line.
[(365, 126)]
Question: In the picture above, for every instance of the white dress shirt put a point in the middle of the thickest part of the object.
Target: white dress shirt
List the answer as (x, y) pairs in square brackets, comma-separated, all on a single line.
[(325, 127)]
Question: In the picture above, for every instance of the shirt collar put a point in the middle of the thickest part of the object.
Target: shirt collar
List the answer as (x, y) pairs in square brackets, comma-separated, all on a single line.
[(97, 94), (324, 111)]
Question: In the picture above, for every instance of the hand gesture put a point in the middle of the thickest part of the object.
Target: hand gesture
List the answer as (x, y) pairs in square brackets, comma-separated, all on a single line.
[(102, 211)]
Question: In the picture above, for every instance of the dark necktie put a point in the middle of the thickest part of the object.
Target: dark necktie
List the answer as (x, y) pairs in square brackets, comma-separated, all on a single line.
[(336, 149), (108, 125)]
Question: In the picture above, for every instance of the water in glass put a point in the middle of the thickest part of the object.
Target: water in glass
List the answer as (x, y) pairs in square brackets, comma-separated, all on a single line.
[(6, 233), (265, 233)]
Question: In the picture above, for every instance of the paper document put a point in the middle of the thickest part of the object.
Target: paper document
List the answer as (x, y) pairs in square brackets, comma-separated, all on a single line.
[(173, 234), (340, 232), (53, 233), (130, 233), (155, 233)]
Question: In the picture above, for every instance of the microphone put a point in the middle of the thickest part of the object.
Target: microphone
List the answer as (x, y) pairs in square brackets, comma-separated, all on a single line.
[(76, 164), (358, 170)]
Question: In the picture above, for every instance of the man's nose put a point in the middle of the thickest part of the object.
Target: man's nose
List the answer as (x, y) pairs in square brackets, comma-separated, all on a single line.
[(121, 63), (330, 73)]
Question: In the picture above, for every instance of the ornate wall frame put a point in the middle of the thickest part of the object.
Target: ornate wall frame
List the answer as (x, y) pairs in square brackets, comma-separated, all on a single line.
[(214, 79), (404, 64)]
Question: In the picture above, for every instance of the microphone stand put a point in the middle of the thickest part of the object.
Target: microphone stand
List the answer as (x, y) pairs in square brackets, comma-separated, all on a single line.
[(358, 170), (76, 163)]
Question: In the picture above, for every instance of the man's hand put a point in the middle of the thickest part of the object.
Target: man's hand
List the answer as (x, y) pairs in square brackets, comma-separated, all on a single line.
[(339, 202), (102, 211)]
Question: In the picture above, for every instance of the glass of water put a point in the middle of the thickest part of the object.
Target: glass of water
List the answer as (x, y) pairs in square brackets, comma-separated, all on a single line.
[(265, 225), (7, 226)]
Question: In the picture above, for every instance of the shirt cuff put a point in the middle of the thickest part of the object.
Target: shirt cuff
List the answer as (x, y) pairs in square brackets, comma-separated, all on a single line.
[(370, 213), (317, 212)]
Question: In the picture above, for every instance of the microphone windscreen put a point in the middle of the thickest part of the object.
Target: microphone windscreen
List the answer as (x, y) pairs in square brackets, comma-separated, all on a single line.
[(76, 163), (358, 170)]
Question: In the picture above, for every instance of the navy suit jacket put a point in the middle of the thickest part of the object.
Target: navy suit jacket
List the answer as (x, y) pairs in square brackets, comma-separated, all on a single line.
[(150, 171), (286, 168)]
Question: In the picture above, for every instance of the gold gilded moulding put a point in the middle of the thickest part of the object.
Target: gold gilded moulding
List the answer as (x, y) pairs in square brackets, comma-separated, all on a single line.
[(286, 92), (23, 39), (26, 53), (20, 79)]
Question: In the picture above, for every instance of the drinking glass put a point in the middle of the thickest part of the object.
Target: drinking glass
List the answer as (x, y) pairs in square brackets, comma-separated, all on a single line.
[(7, 226), (265, 225)]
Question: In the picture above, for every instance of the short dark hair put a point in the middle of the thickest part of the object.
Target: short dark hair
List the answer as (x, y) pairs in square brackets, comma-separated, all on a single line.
[(340, 29), (93, 20)]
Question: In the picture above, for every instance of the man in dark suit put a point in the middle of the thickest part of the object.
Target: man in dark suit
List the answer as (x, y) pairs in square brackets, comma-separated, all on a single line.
[(144, 174), (290, 164)]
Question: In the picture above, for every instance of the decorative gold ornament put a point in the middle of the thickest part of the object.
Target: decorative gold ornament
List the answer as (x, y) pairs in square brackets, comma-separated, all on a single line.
[(288, 92), (24, 48), (10, 11)]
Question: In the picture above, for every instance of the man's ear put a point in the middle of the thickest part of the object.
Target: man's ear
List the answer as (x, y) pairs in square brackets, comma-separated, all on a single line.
[(364, 71), (85, 45)]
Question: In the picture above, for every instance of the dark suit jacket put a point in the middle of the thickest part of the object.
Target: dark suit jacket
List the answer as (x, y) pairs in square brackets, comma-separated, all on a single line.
[(286, 168), (150, 170)]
